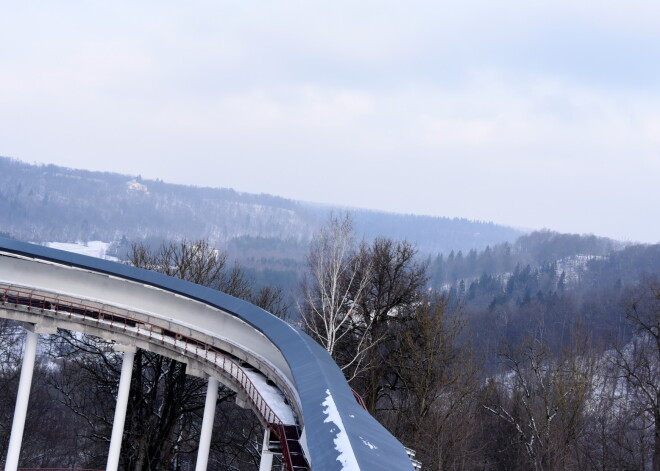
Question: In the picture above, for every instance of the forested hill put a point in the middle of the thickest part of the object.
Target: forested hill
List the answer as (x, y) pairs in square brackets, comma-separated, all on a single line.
[(51, 203), (545, 285)]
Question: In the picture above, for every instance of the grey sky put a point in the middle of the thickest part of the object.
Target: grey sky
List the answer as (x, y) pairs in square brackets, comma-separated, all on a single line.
[(532, 114)]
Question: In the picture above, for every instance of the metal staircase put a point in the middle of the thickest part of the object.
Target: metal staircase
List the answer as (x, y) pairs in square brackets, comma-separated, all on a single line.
[(285, 441)]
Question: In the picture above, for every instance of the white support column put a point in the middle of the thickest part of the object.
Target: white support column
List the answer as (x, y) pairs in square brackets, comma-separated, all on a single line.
[(120, 410), (22, 397), (266, 463), (207, 425)]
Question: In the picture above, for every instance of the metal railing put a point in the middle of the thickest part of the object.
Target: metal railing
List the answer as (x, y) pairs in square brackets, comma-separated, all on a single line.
[(115, 321), (78, 311), (359, 399)]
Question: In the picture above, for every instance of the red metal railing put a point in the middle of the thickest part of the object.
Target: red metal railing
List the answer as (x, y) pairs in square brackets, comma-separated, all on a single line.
[(112, 320), (359, 399), (58, 307)]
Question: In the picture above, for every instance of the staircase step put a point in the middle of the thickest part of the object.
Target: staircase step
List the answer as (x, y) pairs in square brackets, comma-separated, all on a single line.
[(294, 446), (289, 445)]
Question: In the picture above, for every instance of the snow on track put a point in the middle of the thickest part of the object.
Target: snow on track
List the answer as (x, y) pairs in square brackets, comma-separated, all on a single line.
[(272, 396)]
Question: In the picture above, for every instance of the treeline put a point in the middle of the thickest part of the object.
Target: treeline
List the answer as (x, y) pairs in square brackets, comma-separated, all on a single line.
[(48, 203), (533, 249), (51, 203), (546, 283)]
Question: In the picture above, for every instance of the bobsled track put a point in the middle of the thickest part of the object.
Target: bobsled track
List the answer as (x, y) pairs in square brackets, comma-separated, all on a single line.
[(311, 417)]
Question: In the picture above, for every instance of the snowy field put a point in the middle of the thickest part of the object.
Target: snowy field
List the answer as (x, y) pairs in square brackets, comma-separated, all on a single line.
[(93, 248)]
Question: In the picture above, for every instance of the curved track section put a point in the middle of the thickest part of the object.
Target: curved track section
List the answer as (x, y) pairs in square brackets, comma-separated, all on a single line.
[(279, 372)]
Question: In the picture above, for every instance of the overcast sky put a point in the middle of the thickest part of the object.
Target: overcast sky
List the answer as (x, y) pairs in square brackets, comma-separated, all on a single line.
[(535, 114)]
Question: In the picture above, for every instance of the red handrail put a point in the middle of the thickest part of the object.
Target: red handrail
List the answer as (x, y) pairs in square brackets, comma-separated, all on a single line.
[(67, 308), (100, 316), (359, 399)]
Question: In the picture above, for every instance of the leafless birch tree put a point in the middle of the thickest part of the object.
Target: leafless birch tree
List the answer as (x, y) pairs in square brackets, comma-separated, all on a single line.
[(332, 291)]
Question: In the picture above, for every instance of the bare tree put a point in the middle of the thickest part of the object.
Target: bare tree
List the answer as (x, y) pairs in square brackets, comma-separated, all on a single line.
[(10, 343), (616, 434), (544, 400), (638, 363), (352, 297), (49, 439), (432, 406), (396, 287), (195, 261), (332, 291)]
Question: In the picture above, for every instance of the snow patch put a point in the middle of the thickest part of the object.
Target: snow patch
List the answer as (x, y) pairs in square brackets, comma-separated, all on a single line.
[(136, 186), (369, 444), (273, 397), (575, 265), (341, 441)]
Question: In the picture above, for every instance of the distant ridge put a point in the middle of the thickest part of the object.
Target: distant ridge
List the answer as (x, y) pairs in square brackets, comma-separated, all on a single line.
[(52, 203)]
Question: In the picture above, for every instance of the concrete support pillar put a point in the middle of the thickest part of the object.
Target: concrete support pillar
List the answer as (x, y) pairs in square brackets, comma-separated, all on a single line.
[(266, 463), (22, 398), (120, 410), (207, 425)]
